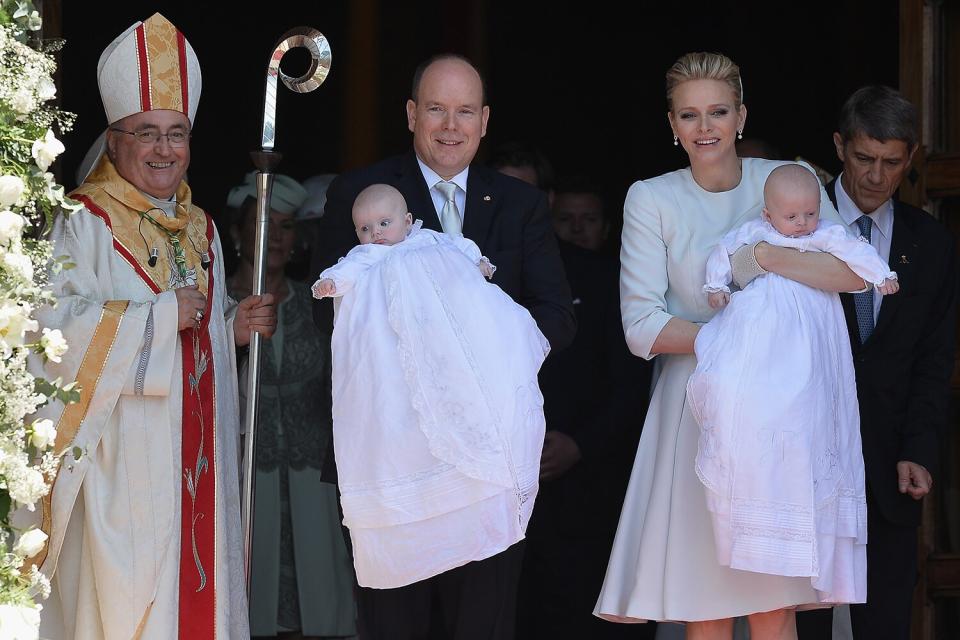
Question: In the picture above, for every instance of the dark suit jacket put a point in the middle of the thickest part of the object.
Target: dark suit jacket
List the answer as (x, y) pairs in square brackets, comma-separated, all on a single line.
[(507, 218), (596, 389), (903, 370)]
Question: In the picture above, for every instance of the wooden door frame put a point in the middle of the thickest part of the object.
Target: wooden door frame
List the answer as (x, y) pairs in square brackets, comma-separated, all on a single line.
[(935, 174)]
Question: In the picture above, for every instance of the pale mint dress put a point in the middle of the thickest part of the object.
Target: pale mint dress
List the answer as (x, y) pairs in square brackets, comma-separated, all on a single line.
[(663, 565)]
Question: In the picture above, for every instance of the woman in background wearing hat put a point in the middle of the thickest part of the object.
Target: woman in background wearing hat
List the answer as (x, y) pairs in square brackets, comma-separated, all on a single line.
[(302, 578), (309, 238)]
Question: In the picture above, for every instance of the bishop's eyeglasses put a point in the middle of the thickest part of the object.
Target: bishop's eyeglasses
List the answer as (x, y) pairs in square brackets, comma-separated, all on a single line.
[(175, 138)]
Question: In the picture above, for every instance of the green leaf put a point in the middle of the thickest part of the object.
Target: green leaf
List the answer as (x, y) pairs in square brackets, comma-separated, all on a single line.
[(4, 505), (44, 387)]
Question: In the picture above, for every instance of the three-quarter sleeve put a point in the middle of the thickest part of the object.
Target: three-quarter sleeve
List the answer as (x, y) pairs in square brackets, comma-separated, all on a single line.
[(643, 272)]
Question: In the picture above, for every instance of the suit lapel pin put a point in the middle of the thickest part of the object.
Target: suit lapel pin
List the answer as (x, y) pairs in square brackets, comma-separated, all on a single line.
[(903, 260), (486, 198)]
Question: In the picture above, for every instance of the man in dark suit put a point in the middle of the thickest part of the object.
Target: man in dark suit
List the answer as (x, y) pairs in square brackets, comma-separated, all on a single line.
[(510, 222), (903, 352)]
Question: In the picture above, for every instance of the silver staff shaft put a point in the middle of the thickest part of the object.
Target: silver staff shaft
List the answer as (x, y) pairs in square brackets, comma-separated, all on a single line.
[(266, 160), (264, 188)]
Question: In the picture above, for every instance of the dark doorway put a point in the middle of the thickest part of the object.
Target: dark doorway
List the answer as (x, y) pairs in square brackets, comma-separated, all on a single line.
[(584, 84)]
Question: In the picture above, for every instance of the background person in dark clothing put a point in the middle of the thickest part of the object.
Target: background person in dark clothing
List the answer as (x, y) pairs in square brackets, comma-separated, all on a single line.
[(903, 353), (595, 398)]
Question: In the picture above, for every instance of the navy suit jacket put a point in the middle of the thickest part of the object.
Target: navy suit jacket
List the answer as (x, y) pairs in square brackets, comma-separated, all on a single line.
[(903, 369), (507, 218)]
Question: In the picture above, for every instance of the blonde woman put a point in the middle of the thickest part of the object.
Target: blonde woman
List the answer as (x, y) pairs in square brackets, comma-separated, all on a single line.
[(664, 565)]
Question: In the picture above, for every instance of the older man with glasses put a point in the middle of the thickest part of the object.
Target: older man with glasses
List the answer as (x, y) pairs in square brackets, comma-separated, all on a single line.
[(144, 526)]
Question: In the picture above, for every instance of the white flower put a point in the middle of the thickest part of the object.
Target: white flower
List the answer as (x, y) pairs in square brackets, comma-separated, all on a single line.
[(53, 343), (28, 197), (11, 224), (43, 434), (19, 264), (11, 188), (30, 543), (25, 484), (23, 101), (20, 622), (45, 151), (46, 89), (39, 583), (14, 322), (34, 21)]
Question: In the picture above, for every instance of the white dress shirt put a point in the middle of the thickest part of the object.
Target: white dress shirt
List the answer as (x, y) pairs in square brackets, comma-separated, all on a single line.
[(432, 178), (880, 234)]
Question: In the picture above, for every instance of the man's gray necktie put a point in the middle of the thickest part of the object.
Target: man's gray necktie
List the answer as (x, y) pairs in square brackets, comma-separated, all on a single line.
[(864, 301), (450, 215)]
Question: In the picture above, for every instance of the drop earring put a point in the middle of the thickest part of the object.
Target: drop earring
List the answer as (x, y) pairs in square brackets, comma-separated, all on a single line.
[(676, 140), (740, 134)]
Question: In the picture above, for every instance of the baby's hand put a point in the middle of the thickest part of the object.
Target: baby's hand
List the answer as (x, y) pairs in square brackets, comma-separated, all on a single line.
[(323, 288), (486, 268), (718, 299), (888, 287)]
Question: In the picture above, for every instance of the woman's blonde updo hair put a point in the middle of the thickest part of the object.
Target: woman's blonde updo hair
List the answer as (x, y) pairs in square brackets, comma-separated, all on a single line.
[(704, 66)]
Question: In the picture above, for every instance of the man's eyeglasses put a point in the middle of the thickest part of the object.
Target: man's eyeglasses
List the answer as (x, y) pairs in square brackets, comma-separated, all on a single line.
[(152, 136)]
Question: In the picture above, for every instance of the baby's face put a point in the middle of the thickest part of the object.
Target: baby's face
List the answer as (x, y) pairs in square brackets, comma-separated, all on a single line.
[(382, 225), (793, 212)]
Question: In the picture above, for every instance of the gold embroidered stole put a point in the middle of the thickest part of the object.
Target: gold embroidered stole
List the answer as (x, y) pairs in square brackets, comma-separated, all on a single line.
[(91, 368), (124, 209)]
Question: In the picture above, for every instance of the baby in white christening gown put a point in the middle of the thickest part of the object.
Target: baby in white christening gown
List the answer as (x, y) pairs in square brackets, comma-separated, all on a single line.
[(437, 417), (775, 396)]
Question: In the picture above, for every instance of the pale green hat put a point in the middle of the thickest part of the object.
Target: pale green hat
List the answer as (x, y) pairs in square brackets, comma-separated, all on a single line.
[(286, 196)]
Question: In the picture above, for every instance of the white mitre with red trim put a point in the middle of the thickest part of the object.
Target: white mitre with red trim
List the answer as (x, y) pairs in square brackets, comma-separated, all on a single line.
[(149, 66)]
